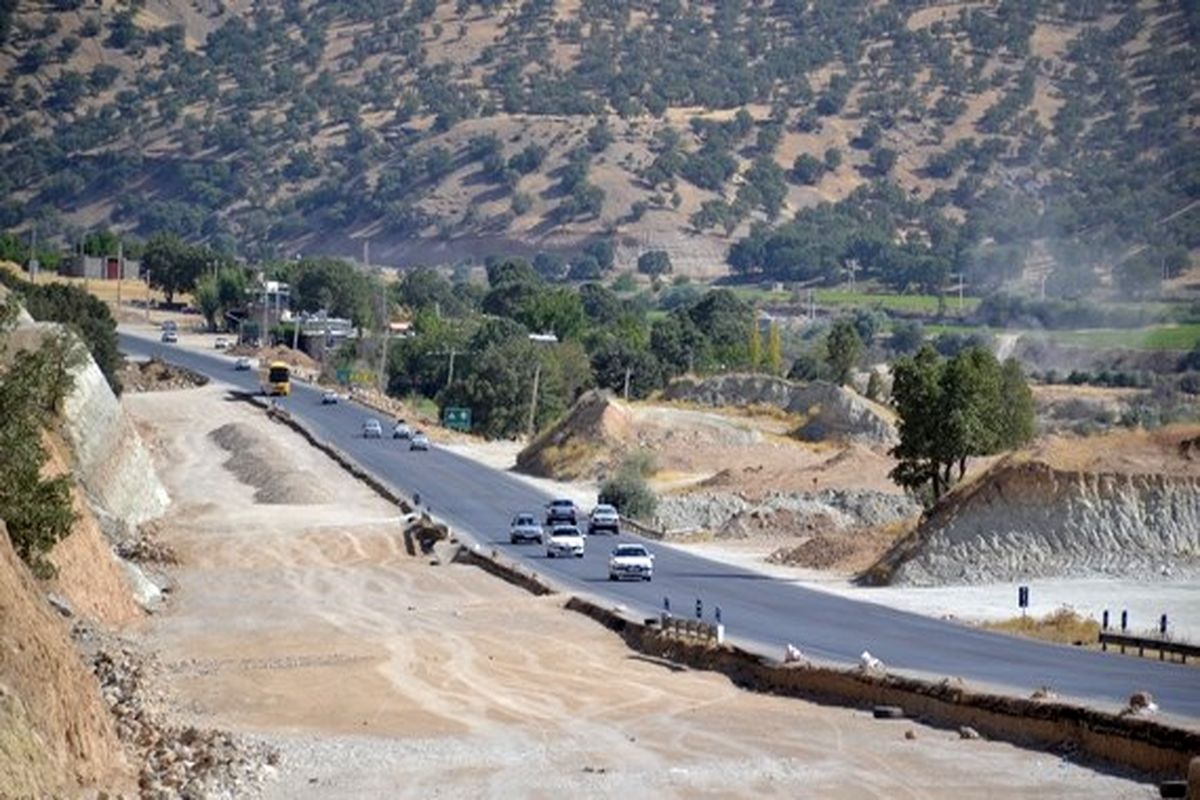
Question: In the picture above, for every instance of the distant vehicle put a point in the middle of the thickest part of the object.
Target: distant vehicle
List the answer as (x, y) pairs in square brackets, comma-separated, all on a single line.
[(221, 343), (525, 528), (401, 430), (630, 561), (243, 363), (169, 325), (565, 540), (276, 379), (170, 337), (419, 441), (560, 510), (372, 429), (604, 519), (329, 399)]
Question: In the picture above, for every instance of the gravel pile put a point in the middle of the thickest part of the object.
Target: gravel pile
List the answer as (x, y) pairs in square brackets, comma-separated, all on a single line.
[(173, 761), (257, 462)]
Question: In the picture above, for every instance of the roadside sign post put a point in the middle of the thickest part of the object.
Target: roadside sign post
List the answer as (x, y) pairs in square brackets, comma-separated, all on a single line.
[(1023, 598), (457, 418), (699, 609)]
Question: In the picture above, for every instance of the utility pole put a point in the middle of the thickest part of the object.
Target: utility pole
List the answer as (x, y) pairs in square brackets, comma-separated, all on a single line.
[(385, 329), (537, 374), (33, 259), (450, 372), (147, 295), (812, 307), (262, 333), (1042, 293), (295, 331), (628, 372), (120, 270)]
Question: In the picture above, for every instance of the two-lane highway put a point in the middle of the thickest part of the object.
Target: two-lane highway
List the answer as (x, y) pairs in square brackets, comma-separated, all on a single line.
[(759, 611)]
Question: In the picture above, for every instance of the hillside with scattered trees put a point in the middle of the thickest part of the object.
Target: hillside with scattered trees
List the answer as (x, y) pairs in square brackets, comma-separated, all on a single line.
[(786, 140)]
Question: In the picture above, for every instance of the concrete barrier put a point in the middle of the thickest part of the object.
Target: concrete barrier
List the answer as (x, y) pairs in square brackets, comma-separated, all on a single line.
[(1146, 745)]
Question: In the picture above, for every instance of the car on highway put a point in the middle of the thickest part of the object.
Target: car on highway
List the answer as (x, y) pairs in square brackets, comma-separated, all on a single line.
[(565, 541), (329, 399), (170, 336), (604, 519), (630, 561), (525, 528), (560, 510), (372, 429), (419, 441), (242, 363), (221, 343), (401, 430)]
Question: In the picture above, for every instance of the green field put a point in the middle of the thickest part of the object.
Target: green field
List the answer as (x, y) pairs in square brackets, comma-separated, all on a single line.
[(1154, 337), (839, 298)]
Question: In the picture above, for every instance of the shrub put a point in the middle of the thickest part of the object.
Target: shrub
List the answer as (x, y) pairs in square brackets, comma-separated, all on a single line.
[(628, 490)]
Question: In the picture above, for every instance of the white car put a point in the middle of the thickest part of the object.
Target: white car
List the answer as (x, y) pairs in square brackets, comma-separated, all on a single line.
[(329, 399), (525, 528), (630, 561), (604, 519), (372, 429), (419, 441), (242, 363), (170, 336), (402, 430), (565, 541), (221, 343)]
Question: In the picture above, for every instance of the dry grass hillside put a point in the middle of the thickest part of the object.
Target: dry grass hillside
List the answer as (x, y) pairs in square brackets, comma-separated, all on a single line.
[(444, 131)]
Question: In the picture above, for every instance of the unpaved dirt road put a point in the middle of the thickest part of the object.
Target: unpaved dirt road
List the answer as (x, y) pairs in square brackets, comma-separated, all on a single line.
[(377, 674)]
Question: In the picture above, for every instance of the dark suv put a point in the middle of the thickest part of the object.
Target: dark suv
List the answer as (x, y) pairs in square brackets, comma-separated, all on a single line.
[(560, 511)]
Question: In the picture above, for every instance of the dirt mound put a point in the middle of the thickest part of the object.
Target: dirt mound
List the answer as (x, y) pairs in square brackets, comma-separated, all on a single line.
[(591, 436), (1125, 504), (158, 376), (55, 734), (255, 461), (294, 358), (820, 552)]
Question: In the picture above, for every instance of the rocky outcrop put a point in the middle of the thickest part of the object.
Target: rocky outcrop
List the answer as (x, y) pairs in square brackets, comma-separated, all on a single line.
[(830, 412), (729, 515), (1030, 520), (588, 438)]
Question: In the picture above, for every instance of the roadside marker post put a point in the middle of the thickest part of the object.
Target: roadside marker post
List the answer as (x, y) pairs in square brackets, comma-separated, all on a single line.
[(1104, 621), (1162, 626), (1124, 620), (666, 605), (1023, 598), (699, 609)]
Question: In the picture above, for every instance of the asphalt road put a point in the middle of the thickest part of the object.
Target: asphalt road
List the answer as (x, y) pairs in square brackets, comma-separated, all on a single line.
[(758, 611)]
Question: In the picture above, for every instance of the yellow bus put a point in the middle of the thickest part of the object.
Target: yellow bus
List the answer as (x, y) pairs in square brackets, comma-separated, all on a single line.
[(276, 379)]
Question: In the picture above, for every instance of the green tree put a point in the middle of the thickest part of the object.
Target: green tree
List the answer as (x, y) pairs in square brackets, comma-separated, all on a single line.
[(558, 311), (37, 510), (774, 350), (953, 410), (629, 492), (807, 169), (173, 266), (208, 300), (336, 286), (844, 349), (755, 346), (654, 262)]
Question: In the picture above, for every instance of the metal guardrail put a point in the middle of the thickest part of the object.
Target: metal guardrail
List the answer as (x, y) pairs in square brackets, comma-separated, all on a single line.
[(1144, 643), (692, 629)]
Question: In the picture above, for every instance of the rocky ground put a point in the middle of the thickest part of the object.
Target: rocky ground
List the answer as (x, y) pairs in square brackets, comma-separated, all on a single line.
[(308, 630)]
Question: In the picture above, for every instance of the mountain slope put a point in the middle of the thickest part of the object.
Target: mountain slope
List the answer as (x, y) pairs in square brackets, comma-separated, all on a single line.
[(444, 130)]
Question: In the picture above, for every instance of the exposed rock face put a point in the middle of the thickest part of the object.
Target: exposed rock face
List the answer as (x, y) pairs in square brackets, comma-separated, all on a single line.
[(581, 441), (831, 412), (730, 515), (111, 461), (1031, 520)]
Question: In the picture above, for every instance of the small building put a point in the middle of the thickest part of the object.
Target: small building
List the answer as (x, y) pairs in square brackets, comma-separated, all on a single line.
[(102, 268)]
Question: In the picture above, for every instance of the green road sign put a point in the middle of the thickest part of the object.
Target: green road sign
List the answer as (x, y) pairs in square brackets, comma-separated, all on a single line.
[(457, 418), (343, 376)]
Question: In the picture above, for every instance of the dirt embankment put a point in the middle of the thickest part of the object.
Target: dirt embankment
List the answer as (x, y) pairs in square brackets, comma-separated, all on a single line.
[(1122, 504), (56, 735), (828, 412)]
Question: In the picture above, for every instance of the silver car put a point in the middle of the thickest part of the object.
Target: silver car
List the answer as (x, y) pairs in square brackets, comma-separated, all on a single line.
[(525, 528), (372, 429), (419, 441)]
